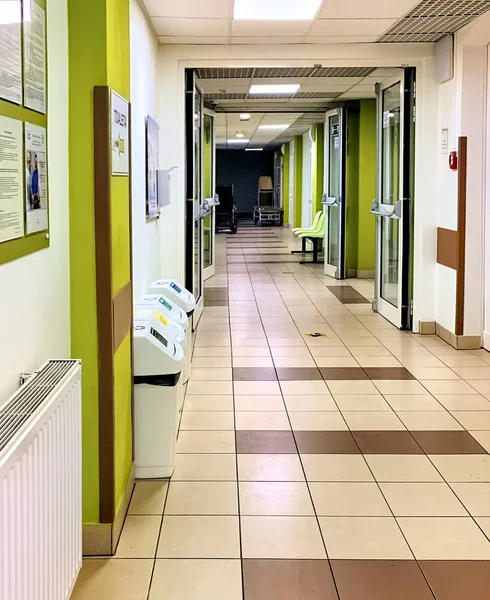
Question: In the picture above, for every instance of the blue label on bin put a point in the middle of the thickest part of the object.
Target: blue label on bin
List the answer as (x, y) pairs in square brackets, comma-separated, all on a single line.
[(175, 287)]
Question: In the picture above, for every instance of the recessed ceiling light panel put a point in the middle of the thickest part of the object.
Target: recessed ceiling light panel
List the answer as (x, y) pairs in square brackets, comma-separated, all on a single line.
[(245, 117), (238, 141), (276, 10), (290, 88), (274, 127)]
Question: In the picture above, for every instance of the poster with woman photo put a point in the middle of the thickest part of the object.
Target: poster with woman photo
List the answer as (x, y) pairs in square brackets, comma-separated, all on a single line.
[(36, 179)]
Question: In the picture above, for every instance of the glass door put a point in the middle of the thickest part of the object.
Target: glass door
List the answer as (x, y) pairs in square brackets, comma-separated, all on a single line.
[(392, 207), (334, 196), (211, 200), (194, 213)]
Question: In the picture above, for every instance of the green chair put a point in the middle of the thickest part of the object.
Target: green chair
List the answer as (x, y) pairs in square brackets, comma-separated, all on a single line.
[(314, 237), (299, 230)]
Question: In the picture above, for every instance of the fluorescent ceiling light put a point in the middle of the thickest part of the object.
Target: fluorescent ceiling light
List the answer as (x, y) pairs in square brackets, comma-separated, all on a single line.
[(275, 89), (253, 149), (238, 141), (10, 12), (274, 127), (276, 10), (240, 135), (245, 117)]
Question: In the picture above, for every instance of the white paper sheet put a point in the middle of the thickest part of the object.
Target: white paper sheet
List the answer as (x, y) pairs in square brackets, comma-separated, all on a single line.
[(11, 189)]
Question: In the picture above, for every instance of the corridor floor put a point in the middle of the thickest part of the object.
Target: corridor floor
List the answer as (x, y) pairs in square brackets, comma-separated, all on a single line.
[(352, 465)]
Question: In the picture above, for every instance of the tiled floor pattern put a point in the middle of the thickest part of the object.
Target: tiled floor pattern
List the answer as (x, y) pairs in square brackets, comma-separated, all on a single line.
[(350, 466)]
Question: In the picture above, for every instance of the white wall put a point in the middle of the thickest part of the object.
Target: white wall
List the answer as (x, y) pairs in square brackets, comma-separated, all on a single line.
[(291, 184), (307, 179), (147, 247), (34, 290)]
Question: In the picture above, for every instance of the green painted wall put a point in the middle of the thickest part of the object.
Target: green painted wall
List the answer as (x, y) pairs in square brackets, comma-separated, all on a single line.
[(298, 180), (98, 55), (318, 175), (367, 186), (352, 190), (285, 181)]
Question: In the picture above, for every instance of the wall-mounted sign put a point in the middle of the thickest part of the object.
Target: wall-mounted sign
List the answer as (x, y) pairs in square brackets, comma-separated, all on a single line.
[(10, 52), (335, 129), (152, 153), (11, 188), (445, 141), (34, 56), (36, 178), (120, 135)]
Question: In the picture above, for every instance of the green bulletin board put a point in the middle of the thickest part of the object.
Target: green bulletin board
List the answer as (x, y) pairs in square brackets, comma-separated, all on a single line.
[(29, 243)]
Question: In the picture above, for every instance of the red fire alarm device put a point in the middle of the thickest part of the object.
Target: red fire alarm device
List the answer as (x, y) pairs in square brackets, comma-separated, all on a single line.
[(453, 161)]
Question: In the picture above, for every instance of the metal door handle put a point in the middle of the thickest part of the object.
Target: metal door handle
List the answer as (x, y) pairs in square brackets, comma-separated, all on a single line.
[(214, 201), (330, 201), (205, 209), (395, 211)]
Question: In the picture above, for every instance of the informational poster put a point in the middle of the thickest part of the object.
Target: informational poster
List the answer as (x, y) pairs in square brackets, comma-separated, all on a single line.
[(386, 119), (10, 51), (445, 141), (34, 56), (11, 189), (152, 154), (120, 135), (36, 178)]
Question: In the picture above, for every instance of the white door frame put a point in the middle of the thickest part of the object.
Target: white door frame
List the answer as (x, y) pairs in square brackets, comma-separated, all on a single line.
[(486, 256), (306, 196), (210, 271), (291, 184)]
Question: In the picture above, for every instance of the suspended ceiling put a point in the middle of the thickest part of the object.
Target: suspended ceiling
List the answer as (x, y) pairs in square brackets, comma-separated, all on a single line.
[(337, 22)]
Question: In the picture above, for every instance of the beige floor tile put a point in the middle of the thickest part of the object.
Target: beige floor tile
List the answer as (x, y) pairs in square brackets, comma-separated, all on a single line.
[(139, 537), (336, 361), (202, 498), (364, 538), (378, 361), (251, 352), (259, 404), (473, 372), (483, 438), (294, 361), (275, 498), (422, 500), (211, 362), (480, 385), (206, 442), (209, 387), (421, 361), (212, 351), (188, 579), (319, 403), (127, 579), (362, 402), (256, 388), (336, 467), (475, 496), (433, 373), (344, 499), (402, 468), (484, 523), (211, 374), (475, 420), (253, 361), (373, 421), (205, 467), (463, 468), (429, 421), (330, 352), (448, 387), (286, 342), (414, 402), (343, 387), (269, 467), (463, 361), (207, 421), (256, 342), (369, 352), (264, 421), (290, 352), (317, 421), (445, 538), (469, 402), (210, 403), (209, 342), (400, 387), (281, 537), (148, 498), (199, 537), (303, 388)]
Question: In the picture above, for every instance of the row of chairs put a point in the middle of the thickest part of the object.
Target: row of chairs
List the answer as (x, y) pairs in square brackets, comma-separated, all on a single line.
[(316, 235)]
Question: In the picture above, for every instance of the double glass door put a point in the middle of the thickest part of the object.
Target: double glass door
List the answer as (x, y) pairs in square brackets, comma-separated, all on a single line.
[(392, 206), (334, 197), (210, 199)]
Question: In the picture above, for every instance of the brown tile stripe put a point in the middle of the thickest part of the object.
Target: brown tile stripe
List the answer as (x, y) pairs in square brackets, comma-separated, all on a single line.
[(326, 442), (458, 579), (265, 442), (122, 308), (103, 257), (348, 295), (298, 373), (386, 442), (388, 373), (254, 374), (447, 442)]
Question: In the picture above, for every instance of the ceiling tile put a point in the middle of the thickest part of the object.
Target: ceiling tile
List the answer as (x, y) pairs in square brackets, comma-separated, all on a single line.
[(341, 39), (336, 27), (192, 40), (191, 27), (199, 9), (269, 28), (266, 40), (373, 9), (357, 95), (384, 72)]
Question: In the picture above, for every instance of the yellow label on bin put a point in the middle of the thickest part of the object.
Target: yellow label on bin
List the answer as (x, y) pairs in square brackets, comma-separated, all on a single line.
[(162, 319)]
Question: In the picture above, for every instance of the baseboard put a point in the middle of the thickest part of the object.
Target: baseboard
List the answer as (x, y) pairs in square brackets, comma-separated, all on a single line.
[(351, 273), (100, 539), (459, 342), (360, 274), (427, 327)]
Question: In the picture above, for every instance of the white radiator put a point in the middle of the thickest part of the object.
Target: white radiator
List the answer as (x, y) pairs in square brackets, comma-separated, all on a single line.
[(41, 485)]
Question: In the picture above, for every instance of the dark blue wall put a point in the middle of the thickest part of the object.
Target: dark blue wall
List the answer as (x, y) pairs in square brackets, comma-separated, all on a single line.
[(243, 169)]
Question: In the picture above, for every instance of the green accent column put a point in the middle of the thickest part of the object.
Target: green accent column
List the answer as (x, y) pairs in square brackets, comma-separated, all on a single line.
[(352, 190), (99, 55), (285, 181), (318, 175), (298, 180), (367, 186)]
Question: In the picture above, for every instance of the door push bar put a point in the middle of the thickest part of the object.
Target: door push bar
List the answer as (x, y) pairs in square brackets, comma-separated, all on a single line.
[(395, 211), (330, 201)]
